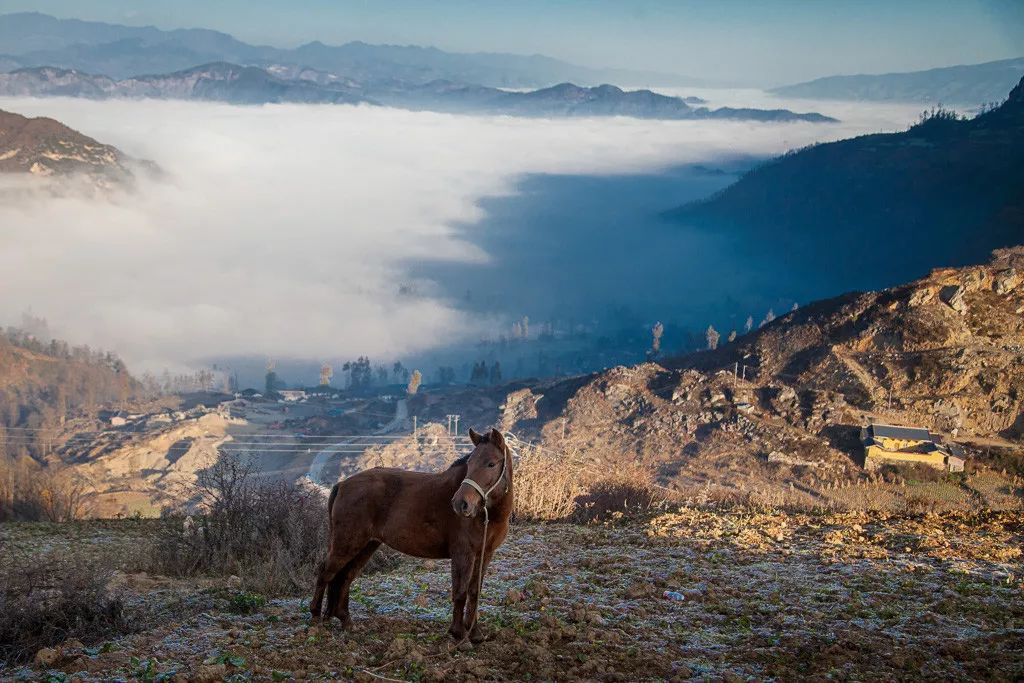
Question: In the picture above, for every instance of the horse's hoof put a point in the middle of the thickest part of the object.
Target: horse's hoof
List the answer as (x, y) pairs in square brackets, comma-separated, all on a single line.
[(458, 634), (477, 635)]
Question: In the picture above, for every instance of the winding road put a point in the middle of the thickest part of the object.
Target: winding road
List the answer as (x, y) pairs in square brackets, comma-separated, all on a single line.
[(318, 468)]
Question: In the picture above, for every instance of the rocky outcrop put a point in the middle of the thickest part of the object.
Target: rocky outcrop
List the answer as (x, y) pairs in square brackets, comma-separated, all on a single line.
[(43, 147), (953, 296), (1006, 281)]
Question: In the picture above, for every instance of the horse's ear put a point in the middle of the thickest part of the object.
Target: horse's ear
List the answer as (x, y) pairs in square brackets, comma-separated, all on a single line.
[(496, 438), (477, 439)]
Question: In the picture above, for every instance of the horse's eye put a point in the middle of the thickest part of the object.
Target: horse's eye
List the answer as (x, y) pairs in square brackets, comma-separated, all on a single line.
[(492, 464)]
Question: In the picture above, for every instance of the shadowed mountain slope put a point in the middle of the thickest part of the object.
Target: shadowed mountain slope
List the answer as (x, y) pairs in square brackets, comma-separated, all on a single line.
[(873, 210)]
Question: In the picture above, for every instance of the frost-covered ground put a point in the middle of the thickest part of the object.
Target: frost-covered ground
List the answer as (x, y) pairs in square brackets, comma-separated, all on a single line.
[(766, 596)]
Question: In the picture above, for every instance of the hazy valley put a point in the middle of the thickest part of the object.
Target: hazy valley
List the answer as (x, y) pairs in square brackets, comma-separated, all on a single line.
[(753, 356)]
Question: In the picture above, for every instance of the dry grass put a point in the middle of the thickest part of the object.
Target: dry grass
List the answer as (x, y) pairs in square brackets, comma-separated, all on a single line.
[(546, 488), (550, 488)]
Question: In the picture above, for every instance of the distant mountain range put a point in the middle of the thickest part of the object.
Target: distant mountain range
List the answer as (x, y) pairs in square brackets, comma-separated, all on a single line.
[(876, 208), (44, 147), (34, 39), (970, 85), (236, 84)]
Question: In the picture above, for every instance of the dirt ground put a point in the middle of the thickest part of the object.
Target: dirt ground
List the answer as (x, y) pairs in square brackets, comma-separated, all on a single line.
[(765, 596)]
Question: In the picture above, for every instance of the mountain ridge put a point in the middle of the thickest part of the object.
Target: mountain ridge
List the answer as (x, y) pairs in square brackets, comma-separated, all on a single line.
[(236, 84), (962, 84), (29, 38)]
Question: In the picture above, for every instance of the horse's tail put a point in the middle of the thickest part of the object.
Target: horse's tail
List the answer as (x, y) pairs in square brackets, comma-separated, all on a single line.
[(330, 499), (318, 592)]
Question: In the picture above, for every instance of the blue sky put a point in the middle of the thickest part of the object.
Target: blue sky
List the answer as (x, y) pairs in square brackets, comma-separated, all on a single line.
[(752, 41)]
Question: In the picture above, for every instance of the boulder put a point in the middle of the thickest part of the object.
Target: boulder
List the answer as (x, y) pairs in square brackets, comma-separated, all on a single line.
[(1006, 281), (953, 296)]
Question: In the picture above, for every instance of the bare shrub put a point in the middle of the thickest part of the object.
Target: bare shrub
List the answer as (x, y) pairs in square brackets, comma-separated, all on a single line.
[(610, 498), (270, 534), (48, 599), (30, 492), (913, 473), (626, 490)]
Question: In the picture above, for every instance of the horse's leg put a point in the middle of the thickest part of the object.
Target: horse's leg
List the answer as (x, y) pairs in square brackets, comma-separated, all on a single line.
[(334, 593), (344, 580), (476, 633), (341, 552), (328, 569), (462, 575)]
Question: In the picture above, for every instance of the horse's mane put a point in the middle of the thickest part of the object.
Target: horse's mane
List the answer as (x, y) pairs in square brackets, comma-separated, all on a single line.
[(461, 461)]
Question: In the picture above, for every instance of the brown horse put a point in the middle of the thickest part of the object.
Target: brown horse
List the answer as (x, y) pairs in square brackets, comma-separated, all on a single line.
[(441, 515)]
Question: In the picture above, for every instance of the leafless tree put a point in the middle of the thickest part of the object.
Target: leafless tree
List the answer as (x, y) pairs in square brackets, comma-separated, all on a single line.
[(656, 333), (712, 336), (414, 382)]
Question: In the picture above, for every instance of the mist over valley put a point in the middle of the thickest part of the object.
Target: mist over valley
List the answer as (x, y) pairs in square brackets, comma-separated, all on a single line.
[(328, 232)]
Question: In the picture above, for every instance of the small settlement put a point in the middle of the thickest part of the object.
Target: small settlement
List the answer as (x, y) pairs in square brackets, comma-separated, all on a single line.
[(890, 444)]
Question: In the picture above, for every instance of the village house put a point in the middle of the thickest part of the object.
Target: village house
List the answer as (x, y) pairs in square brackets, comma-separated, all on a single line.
[(890, 444)]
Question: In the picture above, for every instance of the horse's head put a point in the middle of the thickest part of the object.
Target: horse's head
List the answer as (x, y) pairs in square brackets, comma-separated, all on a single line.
[(488, 470)]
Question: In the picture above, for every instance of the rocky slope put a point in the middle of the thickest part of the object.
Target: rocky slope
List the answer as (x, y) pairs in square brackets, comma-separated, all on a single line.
[(946, 351), (224, 82), (775, 415), (45, 147)]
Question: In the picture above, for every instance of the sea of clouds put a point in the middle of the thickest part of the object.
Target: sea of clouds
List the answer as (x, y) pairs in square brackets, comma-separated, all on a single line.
[(287, 230)]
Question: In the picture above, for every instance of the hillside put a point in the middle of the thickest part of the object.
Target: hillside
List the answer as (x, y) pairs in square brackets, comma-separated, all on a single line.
[(44, 147), (945, 351), (971, 85), (224, 82), (50, 390), (776, 414), (870, 211)]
